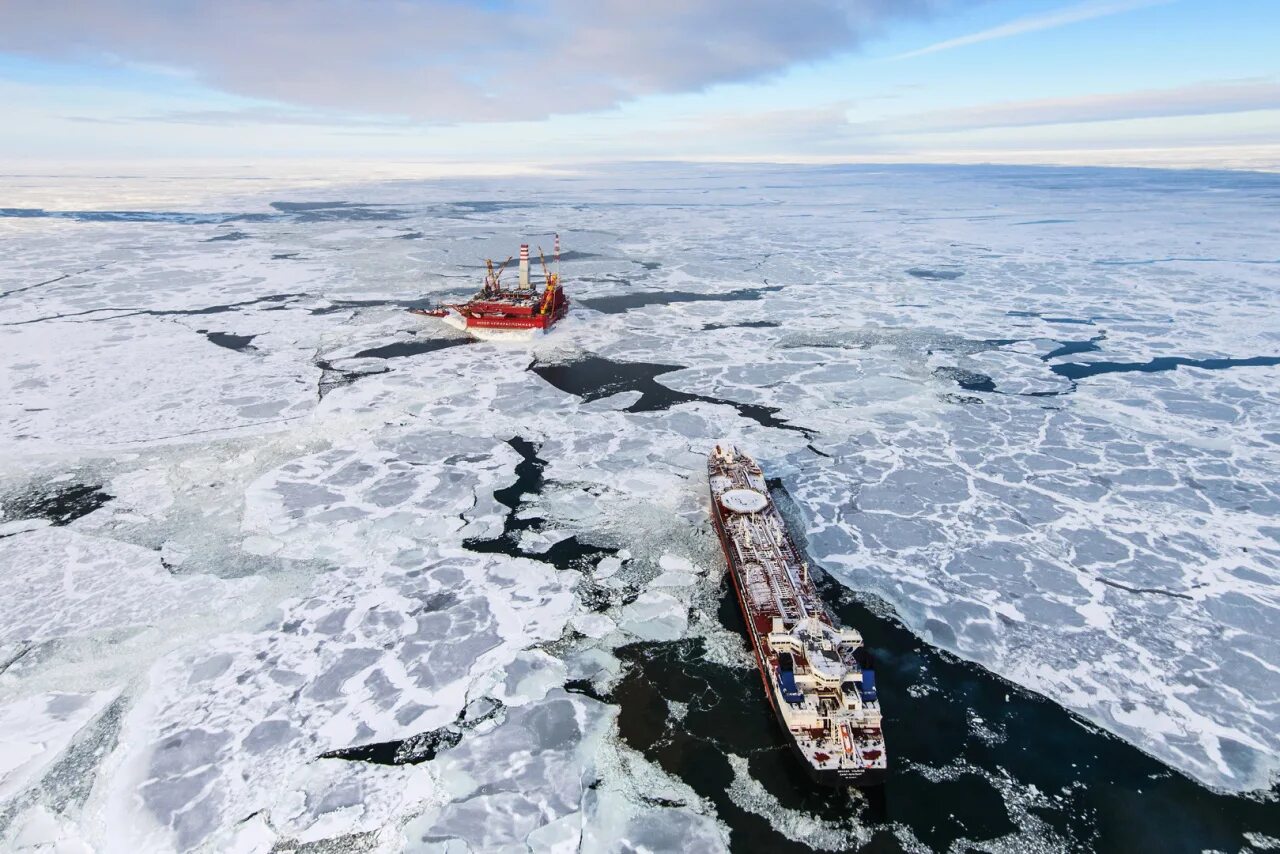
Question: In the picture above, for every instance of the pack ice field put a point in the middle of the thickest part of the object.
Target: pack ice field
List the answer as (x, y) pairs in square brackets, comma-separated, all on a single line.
[(288, 564)]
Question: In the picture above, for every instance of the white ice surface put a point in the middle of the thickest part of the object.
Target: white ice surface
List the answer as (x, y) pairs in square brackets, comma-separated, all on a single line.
[(36, 729), (281, 570)]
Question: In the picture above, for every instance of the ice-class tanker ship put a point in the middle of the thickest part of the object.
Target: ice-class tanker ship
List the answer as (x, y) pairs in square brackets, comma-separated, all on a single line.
[(524, 308), (817, 675)]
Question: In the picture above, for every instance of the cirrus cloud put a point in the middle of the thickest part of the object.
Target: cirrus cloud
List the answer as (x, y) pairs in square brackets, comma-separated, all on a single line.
[(1199, 99), (1036, 23)]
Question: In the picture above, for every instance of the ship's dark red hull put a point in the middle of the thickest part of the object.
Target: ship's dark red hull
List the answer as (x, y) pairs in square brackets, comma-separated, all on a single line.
[(836, 778)]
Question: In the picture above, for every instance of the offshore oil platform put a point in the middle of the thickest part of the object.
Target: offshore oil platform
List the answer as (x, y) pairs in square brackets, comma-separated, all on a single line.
[(497, 309)]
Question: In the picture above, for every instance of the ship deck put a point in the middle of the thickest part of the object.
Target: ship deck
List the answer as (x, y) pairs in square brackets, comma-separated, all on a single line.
[(770, 572), (810, 673)]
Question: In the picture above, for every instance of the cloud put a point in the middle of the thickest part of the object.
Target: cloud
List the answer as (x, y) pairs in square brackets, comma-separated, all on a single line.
[(446, 60), (1203, 99), (1035, 23), (797, 122), (256, 115)]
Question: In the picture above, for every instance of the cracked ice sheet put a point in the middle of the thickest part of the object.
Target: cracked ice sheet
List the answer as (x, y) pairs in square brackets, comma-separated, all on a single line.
[(1001, 532), (226, 730), (35, 730), (87, 613), (1092, 558), (853, 358), (349, 507), (394, 642), (128, 381), (1093, 550), (1021, 477), (110, 350), (381, 648)]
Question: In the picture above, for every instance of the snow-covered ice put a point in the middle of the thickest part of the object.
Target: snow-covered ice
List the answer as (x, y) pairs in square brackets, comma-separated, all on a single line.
[(313, 531)]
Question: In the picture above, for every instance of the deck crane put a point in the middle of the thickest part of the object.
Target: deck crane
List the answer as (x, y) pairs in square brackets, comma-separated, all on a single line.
[(552, 281), (493, 281)]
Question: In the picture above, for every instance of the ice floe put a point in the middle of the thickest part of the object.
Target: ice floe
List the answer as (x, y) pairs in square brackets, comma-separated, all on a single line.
[(287, 564)]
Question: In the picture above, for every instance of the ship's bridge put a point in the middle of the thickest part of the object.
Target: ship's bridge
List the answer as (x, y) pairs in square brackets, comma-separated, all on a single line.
[(828, 667)]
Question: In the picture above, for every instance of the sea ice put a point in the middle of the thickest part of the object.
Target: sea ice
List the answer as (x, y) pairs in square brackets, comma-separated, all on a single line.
[(310, 546)]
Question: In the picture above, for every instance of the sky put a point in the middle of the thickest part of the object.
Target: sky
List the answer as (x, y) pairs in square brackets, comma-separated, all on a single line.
[(1133, 82)]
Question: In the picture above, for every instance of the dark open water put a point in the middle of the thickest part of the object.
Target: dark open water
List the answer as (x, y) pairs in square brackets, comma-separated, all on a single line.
[(949, 786), (974, 757)]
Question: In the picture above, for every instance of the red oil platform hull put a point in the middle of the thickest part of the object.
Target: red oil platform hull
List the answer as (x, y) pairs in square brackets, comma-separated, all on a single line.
[(524, 308), (538, 313)]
